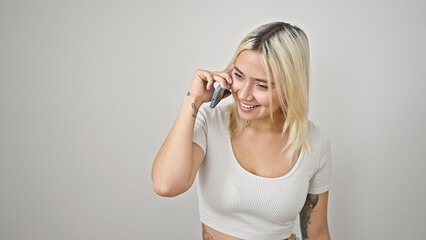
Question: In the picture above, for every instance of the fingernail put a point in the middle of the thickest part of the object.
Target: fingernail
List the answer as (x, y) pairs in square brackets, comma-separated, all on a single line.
[(224, 84), (230, 80)]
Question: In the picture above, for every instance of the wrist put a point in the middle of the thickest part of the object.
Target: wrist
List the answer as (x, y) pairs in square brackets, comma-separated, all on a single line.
[(194, 100)]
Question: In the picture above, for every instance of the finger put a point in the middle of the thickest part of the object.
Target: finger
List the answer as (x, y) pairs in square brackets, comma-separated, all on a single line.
[(210, 80), (228, 71), (226, 76), (221, 80), (206, 77)]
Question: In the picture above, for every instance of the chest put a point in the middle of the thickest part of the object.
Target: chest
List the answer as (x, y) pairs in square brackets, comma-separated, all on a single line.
[(226, 188), (262, 155)]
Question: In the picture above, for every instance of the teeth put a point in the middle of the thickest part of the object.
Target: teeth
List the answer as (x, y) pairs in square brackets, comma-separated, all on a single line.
[(247, 106)]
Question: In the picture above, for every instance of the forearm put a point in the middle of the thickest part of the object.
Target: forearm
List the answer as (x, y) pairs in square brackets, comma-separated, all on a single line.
[(172, 166)]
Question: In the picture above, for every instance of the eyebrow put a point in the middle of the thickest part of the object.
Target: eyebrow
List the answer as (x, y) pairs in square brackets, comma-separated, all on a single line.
[(257, 79)]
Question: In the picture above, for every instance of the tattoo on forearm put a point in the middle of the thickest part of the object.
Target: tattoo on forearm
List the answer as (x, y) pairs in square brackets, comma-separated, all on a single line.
[(194, 114), (207, 235), (305, 214)]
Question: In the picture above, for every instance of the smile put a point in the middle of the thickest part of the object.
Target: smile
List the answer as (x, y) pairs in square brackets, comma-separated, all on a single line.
[(247, 107)]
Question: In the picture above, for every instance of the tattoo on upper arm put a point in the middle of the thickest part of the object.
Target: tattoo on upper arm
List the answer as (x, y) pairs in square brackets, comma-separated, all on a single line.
[(305, 214), (206, 235)]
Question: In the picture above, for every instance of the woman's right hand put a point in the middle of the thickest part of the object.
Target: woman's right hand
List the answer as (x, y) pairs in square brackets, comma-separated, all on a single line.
[(202, 88)]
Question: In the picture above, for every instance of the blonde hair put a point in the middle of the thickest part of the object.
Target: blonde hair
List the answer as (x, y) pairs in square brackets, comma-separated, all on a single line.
[(284, 50)]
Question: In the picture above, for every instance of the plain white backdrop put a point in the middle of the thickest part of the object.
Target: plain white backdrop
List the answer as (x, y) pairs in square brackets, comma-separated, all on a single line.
[(90, 89)]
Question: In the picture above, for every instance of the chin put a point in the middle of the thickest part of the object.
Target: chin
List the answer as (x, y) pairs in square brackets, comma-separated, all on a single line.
[(248, 116), (244, 117)]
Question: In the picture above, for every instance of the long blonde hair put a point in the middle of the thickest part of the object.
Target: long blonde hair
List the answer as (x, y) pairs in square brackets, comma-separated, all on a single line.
[(284, 50)]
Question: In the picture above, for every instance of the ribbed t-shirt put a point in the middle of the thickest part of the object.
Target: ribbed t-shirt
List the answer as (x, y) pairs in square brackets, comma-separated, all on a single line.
[(244, 205)]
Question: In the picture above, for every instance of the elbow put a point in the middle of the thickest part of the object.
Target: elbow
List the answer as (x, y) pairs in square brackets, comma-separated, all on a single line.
[(320, 235), (165, 190), (165, 185)]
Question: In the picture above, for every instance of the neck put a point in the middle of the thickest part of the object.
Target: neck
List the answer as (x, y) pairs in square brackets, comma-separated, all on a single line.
[(267, 124)]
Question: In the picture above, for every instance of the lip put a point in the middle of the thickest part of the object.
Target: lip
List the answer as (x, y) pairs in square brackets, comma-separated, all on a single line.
[(247, 109)]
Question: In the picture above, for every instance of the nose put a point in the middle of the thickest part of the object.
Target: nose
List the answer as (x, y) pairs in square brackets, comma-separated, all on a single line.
[(245, 92)]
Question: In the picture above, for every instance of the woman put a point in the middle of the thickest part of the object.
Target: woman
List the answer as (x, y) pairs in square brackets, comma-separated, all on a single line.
[(259, 160)]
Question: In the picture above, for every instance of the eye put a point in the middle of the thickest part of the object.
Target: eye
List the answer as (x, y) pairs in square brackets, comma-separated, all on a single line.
[(238, 75), (263, 86)]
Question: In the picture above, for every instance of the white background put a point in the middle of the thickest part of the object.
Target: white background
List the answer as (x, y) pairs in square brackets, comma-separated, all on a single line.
[(89, 90)]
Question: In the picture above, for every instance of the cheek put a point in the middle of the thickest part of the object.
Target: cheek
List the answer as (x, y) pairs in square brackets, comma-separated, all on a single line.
[(275, 102), (263, 99), (235, 86)]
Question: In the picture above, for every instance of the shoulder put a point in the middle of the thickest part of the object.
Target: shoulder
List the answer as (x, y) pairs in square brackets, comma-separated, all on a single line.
[(210, 115), (318, 141), (316, 135), (321, 161)]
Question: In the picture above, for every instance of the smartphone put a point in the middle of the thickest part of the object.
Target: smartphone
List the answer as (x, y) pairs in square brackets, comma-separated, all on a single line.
[(219, 94)]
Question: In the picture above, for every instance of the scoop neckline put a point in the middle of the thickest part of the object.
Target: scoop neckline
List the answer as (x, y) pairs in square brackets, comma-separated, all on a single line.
[(245, 171)]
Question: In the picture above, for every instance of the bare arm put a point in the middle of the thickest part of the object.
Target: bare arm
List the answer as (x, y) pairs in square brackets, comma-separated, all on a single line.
[(173, 166), (313, 217), (179, 159)]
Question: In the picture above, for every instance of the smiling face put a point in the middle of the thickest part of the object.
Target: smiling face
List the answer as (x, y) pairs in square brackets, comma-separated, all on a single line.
[(250, 88)]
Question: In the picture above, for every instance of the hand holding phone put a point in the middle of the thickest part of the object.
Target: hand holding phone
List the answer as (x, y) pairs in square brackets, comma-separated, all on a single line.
[(219, 94)]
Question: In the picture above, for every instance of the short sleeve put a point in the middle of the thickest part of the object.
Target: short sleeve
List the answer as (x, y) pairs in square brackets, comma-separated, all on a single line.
[(200, 129), (320, 182)]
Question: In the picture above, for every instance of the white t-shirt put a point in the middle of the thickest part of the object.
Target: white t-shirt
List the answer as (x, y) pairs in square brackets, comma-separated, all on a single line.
[(241, 204)]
